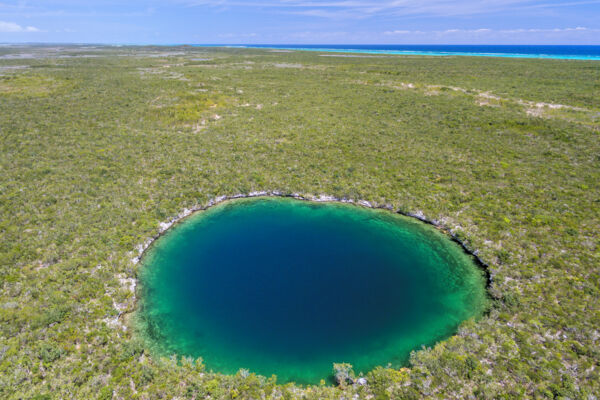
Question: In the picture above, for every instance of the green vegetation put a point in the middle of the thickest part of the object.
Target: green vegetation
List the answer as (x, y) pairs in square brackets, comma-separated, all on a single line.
[(29, 85), (189, 108), (101, 145)]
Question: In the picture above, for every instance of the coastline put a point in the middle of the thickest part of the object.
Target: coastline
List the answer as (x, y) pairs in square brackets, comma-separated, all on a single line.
[(431, 53)]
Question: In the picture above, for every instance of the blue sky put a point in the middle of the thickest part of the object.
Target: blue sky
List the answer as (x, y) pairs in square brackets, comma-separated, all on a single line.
[(302, 21)]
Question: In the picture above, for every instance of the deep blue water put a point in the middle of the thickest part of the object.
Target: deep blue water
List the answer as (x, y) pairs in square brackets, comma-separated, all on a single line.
[(511, 51), (285, 287)]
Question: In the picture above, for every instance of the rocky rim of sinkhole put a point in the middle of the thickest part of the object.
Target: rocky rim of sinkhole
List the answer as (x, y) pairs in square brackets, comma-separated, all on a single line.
[(130, 283)]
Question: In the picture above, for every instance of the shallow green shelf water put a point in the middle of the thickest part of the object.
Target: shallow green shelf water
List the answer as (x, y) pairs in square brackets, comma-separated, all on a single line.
[(288, 287)]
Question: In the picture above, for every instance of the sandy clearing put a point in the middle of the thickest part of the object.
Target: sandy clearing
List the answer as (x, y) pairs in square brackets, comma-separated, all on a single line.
[(486, 98)]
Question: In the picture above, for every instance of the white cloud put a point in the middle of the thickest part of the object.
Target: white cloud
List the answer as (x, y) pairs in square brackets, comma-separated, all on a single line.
[(440, 33), (577, 29), (11, 27), (567, 35), (318, 35), (491, 31), (237, 35), (399, 32)]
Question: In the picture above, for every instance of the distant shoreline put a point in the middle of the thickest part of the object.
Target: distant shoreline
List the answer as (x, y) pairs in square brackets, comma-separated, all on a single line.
[(557, 52)]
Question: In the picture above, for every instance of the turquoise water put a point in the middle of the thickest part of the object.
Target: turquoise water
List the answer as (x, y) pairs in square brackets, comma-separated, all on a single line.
[(288, 287), (505, 51)]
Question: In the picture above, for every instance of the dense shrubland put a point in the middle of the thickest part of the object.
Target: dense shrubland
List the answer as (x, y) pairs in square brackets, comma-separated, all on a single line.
[(99, 147)]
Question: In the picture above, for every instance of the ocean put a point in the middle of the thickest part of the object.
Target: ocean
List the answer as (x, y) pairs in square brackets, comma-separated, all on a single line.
[(562, 52)]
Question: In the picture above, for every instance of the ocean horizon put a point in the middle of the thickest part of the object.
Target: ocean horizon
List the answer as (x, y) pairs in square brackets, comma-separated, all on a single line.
[(563, 52)]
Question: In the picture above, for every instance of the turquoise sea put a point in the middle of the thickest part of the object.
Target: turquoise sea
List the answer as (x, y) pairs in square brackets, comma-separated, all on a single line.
[(507, 51)]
